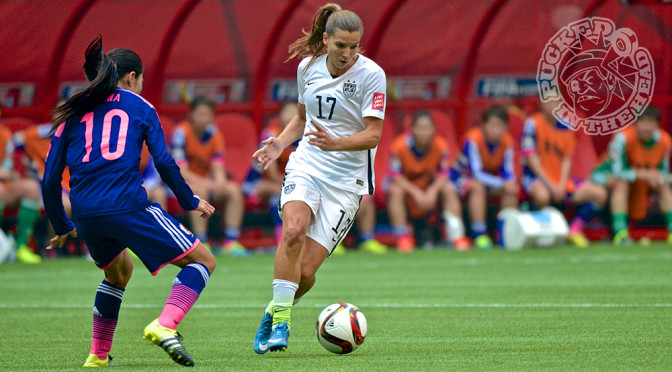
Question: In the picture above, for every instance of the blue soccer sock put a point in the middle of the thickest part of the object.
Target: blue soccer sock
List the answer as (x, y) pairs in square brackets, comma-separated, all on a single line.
[(105, 315), (587, 211), (365, 236), (187, 286), (231, 233), (400, 231), (478, 228)]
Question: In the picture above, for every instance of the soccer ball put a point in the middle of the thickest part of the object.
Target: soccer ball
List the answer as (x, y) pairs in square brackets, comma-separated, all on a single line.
[(341, 328)]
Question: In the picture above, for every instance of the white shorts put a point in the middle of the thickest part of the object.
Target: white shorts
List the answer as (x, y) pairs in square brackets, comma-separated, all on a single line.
[(334, 210)]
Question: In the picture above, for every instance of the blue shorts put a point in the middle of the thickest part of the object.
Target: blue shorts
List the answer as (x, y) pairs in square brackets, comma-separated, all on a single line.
[(151, 233)]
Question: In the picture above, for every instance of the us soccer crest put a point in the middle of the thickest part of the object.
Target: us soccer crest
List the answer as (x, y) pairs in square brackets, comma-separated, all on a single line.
[(349, 89)]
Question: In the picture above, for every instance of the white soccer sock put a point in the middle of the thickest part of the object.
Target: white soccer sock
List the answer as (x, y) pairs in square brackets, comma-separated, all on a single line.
[(296, 301), (283, 297), (454, 226)]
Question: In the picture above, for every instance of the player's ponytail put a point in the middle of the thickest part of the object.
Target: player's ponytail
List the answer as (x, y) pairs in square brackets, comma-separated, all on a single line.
[(101, 69), (104, 71), (327, 19)]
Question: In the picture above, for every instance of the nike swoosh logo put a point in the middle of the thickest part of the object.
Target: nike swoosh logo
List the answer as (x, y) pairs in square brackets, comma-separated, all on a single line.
[(262, 347), (310, 83)]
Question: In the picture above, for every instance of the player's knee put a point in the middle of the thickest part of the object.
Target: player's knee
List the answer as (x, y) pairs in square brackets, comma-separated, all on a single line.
[(620, 186), (394, 193), (210, 263), (30, 189), (541, 197), (294, 233), (234, 190), (477, 188), (120, 277), (449, 192)]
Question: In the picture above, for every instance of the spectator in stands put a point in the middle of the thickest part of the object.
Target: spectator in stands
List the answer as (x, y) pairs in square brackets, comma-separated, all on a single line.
[(418, 180), (640, 165), (198, 148), (547, 147), (24, 191), (265, 185), (484, 169)]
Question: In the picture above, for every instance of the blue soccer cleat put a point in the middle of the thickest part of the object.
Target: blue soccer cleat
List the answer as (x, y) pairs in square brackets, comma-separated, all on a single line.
[(279, 337), (263, 334)]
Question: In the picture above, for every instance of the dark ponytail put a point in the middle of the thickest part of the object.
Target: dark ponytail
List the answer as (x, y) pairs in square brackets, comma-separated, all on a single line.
[(103, 84), (311, 43), (104, 71), (328, 19)]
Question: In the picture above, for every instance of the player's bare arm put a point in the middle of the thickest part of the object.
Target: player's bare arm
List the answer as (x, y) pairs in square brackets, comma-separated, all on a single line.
[(364, 140), (219, 175), (433, 189), (535, 165), (406, 185), (193, 178)]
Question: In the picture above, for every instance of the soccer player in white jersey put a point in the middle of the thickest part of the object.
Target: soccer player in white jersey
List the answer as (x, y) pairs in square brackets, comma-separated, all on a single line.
[(340, 121)]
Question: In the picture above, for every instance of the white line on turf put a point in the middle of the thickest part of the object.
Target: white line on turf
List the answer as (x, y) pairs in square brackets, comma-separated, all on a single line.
[(384, 305)]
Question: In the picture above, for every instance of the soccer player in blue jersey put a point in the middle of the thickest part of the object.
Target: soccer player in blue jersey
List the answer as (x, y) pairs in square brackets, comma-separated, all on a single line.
[(100, 136)]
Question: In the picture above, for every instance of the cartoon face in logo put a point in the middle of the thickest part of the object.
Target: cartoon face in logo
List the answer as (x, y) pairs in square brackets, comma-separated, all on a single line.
[(598, 77), (589, 90)]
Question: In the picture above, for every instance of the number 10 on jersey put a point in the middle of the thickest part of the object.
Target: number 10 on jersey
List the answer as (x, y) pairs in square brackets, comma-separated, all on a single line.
[(107, 130)]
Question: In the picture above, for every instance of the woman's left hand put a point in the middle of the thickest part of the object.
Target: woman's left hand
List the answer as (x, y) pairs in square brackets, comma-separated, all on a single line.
[(321, 138), (58, 240)]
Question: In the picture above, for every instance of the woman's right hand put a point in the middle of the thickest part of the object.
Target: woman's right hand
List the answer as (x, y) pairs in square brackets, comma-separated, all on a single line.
[(269, 153), (205, 208)]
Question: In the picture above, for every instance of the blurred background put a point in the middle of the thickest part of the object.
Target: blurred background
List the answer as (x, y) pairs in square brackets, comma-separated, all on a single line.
[(453, 58)]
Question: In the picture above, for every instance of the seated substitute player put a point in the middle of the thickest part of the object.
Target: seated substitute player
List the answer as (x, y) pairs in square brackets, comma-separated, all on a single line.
[(546, 148), (267, 184), (419, 179), (100, 136), (485, 168), (24, 191), (198, 148), (640, 164)]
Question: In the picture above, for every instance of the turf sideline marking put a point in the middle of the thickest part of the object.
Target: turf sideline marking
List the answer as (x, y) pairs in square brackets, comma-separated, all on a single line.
[(385, 305)]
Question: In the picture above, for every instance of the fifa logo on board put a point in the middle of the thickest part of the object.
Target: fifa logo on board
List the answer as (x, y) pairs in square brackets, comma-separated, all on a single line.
[(599, 76)]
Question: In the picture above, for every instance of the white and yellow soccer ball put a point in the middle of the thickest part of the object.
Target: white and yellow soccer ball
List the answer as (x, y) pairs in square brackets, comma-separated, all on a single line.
[(341, 328)]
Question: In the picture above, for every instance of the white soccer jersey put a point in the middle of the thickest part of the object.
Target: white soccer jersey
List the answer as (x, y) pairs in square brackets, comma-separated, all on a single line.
[(339, 105)]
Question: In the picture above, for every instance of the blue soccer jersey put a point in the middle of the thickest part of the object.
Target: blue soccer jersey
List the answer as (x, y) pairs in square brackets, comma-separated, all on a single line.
[(102, 149)]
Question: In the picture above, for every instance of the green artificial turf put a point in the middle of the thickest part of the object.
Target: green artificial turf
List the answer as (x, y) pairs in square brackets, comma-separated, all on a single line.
[(604, 308)]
